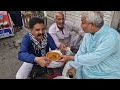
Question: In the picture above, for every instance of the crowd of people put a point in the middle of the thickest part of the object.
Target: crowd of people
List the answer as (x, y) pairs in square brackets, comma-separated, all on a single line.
[(95, 47)]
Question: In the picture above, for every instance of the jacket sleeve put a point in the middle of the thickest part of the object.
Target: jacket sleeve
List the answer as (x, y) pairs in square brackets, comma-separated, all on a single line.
[(23, 53)]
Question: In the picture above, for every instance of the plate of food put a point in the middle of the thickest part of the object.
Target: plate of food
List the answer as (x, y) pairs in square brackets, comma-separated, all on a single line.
[(54, 55)]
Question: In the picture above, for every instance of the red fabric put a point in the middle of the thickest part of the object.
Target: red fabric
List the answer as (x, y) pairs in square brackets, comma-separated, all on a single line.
[(54, 75)]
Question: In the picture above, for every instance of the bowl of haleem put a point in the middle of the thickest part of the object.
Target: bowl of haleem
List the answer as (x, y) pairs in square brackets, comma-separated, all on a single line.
[(54, 55)]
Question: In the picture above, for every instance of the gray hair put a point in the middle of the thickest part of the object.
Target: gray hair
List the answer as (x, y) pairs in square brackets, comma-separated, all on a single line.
[(95, 17), (58, 12)]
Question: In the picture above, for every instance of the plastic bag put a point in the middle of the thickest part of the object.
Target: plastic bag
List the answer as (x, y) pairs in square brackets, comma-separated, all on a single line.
[(55, 64), (61, 77)]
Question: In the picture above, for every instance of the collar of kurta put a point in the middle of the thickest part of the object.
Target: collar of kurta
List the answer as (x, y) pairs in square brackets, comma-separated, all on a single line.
[(100, 31), (57, 29)]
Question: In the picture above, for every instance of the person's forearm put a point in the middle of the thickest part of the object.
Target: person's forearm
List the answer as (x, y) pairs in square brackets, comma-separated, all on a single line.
[(71, 57)]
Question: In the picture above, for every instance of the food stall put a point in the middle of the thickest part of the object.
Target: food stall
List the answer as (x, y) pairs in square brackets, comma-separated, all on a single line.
[(6, 27)]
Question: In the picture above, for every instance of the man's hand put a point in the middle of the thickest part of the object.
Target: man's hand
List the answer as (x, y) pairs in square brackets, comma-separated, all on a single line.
[(42, 61), (72, 71), (62, 48), (65, 58)]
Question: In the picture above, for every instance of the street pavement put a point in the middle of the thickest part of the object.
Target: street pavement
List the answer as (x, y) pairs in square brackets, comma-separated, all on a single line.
[(9, 64)]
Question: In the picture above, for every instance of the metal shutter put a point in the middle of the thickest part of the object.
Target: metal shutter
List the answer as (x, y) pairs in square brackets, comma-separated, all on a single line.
[(50, 14), (75, 16), (108, 15)]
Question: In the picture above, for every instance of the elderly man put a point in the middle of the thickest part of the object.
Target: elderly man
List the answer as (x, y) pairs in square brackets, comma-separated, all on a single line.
[(65, 33), (99, 54), (34, 47)]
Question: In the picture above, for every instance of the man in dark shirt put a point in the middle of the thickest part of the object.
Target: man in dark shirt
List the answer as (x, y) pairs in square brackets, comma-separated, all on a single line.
[(17, 19)]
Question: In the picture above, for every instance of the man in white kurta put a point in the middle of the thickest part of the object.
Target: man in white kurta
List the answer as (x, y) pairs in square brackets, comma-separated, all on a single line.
[(65, 33), (64, 37)]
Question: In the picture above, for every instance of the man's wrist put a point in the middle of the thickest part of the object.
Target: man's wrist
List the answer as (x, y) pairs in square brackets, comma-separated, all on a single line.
[(36, 59), (71, 57)]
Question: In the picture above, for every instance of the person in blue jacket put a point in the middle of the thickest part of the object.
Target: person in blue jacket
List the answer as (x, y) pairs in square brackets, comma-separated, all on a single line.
[(99, 54), (34, 47)]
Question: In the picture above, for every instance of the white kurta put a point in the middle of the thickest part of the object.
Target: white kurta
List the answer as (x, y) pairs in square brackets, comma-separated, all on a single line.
[(72, 35)]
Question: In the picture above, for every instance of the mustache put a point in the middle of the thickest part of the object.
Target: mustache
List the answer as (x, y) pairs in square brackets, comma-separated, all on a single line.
[(41, 34)]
